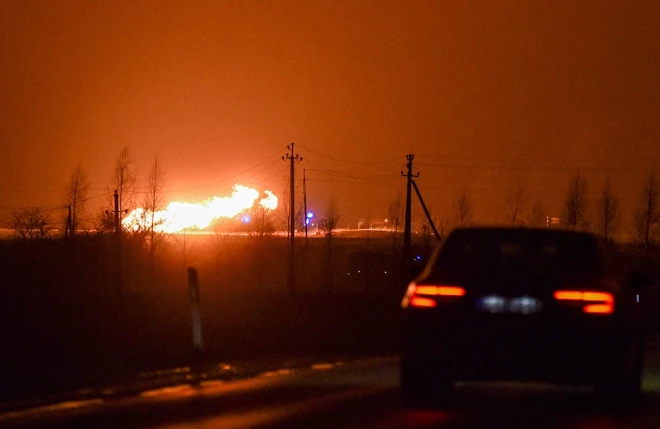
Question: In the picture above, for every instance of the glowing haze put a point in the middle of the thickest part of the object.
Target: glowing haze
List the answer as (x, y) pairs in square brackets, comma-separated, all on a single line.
[(178, 216)]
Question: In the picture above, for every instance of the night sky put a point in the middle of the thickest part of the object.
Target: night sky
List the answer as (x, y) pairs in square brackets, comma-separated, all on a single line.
[(487, 95)]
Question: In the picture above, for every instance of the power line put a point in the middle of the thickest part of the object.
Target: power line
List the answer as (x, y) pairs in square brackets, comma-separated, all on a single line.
[(260, 171), (375, 183), (323, 169), (273, 175), (93, 185), (521, 168), (335, 179), (235, 177), (41, 208), (384, 161), (5, 190), (105, 193), (494, 158)]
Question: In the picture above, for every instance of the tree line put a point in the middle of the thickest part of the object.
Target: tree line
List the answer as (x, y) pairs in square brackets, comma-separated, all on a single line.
[(33, 222), (603, 216)]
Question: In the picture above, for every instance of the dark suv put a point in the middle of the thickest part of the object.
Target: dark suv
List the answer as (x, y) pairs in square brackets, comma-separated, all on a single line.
[(518, 304)]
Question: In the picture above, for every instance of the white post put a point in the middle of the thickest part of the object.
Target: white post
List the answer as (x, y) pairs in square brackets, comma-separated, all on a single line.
[(193, 286)]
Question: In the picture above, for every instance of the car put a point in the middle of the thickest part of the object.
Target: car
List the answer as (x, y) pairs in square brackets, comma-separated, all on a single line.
[(522, 304)]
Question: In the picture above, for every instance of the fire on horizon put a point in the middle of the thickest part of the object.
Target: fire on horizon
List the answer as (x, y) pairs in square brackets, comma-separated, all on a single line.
[(178, 216)]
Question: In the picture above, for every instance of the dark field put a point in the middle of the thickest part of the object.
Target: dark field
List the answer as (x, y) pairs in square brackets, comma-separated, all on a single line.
[(71, 319)]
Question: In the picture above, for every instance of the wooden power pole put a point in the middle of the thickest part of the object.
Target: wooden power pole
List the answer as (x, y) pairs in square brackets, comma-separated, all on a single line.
[(407, 230), (292, 216)]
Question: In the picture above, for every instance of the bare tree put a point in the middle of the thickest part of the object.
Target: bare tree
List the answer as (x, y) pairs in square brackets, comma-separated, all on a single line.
[(515, 203), (576, 205), (76, 196), (428, 236), (328, 224), (609, 211), (104, 223), (442, 227), (299, 217), (285, 207), (395, 215), (31, 224), (184, 239), (154, 201), (331, 218), (262, 223), (463, 212), (124, 179), (537, 215), (647, 215)]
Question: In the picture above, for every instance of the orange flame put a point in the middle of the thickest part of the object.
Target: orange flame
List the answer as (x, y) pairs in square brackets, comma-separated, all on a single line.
[(179, 216)]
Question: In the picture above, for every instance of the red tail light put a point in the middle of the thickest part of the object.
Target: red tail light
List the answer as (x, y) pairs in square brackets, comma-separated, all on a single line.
[(425, 296), (592, 302)]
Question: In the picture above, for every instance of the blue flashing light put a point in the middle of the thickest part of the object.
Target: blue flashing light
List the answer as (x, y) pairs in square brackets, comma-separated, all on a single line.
[(246, 219)]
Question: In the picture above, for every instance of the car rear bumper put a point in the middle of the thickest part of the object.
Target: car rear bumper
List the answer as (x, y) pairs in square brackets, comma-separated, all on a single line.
[(552, 353)]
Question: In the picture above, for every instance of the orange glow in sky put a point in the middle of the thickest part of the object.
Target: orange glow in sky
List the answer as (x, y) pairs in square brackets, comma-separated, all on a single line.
[(178, 216)]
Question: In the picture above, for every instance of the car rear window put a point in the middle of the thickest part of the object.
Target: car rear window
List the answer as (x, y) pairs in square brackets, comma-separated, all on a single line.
[(529, 251)]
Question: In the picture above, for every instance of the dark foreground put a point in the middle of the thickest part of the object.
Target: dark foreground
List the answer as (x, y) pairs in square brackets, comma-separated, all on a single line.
[(355, 394), (75, 315)]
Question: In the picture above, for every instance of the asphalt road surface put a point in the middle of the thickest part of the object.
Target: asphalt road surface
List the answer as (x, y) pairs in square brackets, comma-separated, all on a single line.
[(355, 394)]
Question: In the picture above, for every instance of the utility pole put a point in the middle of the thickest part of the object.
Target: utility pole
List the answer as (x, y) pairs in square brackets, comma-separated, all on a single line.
[(408, 219), (292, 216), (305, 202), (426, 211)]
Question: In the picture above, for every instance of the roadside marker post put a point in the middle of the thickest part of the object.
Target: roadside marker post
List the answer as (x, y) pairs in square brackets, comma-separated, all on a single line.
[(193, 287)]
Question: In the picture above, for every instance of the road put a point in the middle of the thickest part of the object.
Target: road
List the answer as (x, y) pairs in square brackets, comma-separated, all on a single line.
[(354, 394)]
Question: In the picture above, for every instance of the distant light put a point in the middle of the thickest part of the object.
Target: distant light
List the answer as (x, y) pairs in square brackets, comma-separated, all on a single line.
[(177, 216), (309, 217), (246, 219), (419, 258)]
